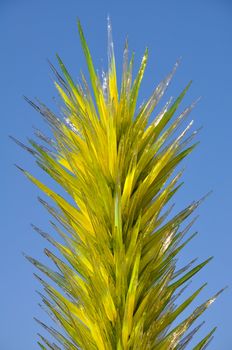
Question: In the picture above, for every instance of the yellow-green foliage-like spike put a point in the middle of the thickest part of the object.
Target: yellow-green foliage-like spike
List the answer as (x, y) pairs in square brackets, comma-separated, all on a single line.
[(204, 342), (115, 283)]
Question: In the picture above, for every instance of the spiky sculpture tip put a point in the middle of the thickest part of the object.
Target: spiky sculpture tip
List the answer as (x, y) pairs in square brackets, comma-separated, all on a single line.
[(119, 278)]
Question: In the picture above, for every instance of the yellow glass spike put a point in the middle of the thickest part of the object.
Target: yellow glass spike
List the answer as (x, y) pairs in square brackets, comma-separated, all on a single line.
[(116, 280)]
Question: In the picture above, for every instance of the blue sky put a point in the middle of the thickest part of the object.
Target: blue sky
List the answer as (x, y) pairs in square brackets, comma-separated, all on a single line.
[(198, 31)]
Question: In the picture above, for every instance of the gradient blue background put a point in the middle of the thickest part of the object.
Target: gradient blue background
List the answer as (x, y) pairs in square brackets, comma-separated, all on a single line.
[(32, 31)]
